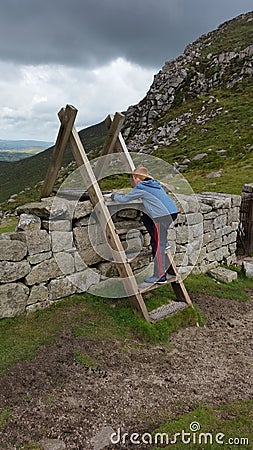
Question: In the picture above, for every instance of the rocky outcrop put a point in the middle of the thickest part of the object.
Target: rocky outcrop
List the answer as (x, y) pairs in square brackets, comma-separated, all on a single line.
[(203, 66)]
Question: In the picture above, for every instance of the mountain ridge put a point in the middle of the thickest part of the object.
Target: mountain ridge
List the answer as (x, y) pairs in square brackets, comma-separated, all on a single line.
[(19, 144), (208, 62), (195, 115)]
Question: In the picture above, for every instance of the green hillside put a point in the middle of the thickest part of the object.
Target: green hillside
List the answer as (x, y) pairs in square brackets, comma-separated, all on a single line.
[(227, 140), (210, 109), (19, 175)]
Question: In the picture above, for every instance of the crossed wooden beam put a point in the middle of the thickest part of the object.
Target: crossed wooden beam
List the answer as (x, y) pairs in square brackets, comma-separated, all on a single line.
[(67, 133), (114, 140)]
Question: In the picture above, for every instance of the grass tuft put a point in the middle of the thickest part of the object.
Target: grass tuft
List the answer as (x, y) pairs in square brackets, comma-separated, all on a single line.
[(213, 425)]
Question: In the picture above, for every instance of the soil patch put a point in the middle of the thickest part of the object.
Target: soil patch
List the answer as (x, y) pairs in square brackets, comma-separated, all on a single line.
[(53, 396)]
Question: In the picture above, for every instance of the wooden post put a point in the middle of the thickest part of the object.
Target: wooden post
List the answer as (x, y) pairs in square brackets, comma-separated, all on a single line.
[(67, 117), (120, 145), (114, 141)]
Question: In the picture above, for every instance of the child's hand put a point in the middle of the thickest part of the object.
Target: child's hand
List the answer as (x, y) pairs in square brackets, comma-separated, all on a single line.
[(107, 197)]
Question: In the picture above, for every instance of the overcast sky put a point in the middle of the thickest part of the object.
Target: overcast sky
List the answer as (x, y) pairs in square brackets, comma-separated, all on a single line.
[(98, 55)]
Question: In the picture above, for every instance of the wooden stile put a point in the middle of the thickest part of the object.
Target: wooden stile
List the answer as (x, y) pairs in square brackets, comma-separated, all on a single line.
[(67, 133)]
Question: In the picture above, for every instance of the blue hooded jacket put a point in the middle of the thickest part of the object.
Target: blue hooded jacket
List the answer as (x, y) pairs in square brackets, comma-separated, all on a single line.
[(155, 200)]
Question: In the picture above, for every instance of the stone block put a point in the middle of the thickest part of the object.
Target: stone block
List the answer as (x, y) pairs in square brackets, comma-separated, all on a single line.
[(184, 234), (43, 272), (90, 257), (79, 263), (12, 250), (12, 271), (84, 280), (248, 268), (38, 293), (82, 209), (223, 275), (39, 257), (126, 213), (59, 225), (236, 201), (211, 215), (216, 201), (230, 238), (214, 244), (247, 187), (215, 256), (61, 287), (13, 298), (37, 241), (233, 215), (28, 222), (62, 241), (49, 207), (188, 203), (181, 259), (90, 253), (208, 237), (205, 209), (208, 226), (194, 218), (220, 221), (197, 230), (65, 262), (52, 444)]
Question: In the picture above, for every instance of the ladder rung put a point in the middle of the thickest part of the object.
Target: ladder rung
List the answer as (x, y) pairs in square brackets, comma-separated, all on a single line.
[(169, 309), (125, 230), (146, 287)]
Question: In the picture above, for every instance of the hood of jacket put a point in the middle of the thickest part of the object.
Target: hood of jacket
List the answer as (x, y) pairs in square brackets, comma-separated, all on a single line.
[(150, 183)]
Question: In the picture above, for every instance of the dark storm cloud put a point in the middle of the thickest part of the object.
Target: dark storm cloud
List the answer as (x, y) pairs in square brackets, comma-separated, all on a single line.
[(93, 32)]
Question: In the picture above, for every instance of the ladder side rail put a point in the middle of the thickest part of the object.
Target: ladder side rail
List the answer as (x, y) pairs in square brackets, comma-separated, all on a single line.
[(121, 147), (177, 286), (107, 224)]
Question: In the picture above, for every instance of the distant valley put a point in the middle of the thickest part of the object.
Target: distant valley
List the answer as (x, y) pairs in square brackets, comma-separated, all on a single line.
[(14, 150)]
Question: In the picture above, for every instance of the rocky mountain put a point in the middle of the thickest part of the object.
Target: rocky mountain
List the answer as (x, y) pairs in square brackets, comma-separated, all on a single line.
[(221, 58), (197, 115)]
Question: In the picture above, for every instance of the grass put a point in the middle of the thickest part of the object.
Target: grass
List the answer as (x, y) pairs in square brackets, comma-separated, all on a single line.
[(86, 360), (230, 38), (230, 130), (22, 336), (231, 421), (5, 415), (9, 225), (236, 290)]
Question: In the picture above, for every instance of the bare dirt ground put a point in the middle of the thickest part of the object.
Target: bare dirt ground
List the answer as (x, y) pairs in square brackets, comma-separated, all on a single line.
[(54, 397)]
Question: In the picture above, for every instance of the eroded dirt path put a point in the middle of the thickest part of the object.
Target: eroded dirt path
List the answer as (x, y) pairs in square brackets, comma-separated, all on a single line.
[(135, 390)]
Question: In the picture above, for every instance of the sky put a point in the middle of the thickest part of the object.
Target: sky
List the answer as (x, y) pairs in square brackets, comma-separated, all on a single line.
[(97, 55)]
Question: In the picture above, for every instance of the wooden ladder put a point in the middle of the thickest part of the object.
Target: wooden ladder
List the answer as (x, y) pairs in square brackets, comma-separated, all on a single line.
[(133, 291)]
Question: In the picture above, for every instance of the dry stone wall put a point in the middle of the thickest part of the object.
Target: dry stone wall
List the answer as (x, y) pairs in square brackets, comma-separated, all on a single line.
[(50, 255)]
